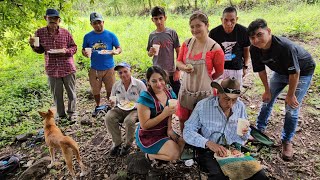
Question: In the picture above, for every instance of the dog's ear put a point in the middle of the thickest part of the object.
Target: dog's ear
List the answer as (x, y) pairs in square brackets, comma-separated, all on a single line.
[(50, 112), (42, 114)]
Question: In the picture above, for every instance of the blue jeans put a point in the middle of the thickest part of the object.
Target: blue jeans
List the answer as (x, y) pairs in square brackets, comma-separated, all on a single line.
[(277, 83)]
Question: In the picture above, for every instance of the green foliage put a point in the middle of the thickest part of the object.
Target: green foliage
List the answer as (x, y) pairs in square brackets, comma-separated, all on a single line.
[(23, 83), (19, 20)]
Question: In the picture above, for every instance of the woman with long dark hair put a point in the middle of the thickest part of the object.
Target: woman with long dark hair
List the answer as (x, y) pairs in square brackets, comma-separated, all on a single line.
[(154, 134)]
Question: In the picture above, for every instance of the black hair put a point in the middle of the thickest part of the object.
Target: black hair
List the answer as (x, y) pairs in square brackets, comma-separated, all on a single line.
[(157, 11), (155, 69), (229, 9), (255, 25)]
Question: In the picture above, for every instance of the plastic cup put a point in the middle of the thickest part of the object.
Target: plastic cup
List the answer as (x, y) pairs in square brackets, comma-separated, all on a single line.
[(172, 102), (157, 47), (242, 124), (36, 42), (89, 51), (189, 162), (113, 98)]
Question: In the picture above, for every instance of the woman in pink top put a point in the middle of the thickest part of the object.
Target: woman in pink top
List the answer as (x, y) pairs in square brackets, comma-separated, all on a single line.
[(202, 61)]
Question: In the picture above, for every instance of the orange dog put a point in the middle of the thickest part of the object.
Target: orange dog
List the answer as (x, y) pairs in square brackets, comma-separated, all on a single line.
[(55, 139)]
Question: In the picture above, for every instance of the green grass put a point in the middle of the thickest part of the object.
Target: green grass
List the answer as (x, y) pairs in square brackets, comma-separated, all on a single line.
[(23, 83)]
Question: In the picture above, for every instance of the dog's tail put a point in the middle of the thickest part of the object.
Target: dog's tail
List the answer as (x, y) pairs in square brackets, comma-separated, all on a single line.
[(70, 143)]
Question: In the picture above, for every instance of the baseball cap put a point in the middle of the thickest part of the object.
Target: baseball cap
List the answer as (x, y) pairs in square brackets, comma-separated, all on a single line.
[(95, 17), (122, 64), (52, 13), (228, 86)]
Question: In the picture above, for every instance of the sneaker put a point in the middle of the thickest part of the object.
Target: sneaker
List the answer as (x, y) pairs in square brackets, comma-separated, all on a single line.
[(115, 150), (97, 109), (287, 151), (125, 150)]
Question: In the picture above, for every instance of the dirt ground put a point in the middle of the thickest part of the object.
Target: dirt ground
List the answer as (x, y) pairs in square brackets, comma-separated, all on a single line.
[(95, 143)]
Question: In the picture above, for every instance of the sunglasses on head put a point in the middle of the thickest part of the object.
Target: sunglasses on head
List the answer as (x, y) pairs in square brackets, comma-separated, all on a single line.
[(231, 91)]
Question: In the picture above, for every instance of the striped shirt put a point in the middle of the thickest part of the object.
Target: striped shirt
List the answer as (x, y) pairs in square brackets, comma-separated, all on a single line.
[(132, 94), (209, 118), (56, 65)]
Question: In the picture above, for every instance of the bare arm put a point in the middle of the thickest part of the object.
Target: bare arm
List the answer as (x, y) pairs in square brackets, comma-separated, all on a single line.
[(266, 97), (246, 56), (144, 116), (246, 59)]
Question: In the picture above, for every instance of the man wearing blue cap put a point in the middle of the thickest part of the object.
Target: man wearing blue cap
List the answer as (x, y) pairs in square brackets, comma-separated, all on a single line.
[(127, 91), (58, 47), (101, 42)]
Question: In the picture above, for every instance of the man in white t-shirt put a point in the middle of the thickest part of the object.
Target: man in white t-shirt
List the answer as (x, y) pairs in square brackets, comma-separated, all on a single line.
[(127, 92)]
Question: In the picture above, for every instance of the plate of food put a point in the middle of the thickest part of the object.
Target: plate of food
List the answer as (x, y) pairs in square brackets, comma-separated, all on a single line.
[(105, 51), (230, 154), (127, 105), (56, 51)]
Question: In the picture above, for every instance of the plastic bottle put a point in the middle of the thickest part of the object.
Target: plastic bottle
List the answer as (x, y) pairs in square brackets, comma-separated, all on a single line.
[(3, 163)]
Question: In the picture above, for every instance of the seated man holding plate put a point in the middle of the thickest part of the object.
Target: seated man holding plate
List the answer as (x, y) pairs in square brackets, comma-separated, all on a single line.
[(124, 94), (213, 126)]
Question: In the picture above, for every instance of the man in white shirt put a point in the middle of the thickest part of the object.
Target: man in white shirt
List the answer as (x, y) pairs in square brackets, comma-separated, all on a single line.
[(127, 92)]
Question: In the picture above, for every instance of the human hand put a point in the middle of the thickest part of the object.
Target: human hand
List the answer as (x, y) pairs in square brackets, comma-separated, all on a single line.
[(266, 96), (169, 110), (292, 101), (173, 135), (85, 53), (188, 68), (216, 148), (115, 52), (244, 72), (176, 75), (245, 130), (152, 51), (31, 40)]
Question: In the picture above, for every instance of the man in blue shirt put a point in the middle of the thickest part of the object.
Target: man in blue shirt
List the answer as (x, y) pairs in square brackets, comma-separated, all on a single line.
[(213, 125), (101, 42)]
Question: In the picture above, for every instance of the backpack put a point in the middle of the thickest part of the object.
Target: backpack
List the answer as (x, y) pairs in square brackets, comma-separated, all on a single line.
[(8, 164)]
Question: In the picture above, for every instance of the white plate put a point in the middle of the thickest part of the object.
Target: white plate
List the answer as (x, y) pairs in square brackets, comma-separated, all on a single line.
[(126, 108), (56, 51), (105, 52)]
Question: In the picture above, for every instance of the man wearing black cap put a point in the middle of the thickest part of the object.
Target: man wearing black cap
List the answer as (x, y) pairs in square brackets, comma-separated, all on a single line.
[(126, 91), (213, 125), (58, 47), (102, 43)]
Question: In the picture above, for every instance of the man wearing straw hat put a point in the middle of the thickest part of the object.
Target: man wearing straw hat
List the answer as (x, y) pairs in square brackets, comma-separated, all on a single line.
[(213, 126)]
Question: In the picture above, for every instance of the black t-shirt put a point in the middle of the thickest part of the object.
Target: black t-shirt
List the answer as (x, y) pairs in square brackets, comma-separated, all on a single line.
[(232, 45), (283, 57)]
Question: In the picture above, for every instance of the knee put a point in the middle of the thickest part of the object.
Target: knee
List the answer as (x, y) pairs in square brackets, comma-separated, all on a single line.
[(110, 119), (174, 153), (291, 112), (129, 122)]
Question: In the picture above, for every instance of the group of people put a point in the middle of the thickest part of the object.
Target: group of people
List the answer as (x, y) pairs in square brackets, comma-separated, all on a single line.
[(213, 64)]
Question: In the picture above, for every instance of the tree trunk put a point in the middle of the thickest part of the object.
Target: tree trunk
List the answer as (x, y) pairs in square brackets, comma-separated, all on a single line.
[(189, 5), (230, 2), (149, 4)]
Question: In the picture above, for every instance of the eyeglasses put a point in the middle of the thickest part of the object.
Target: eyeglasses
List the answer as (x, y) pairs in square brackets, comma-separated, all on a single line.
[(232, 91)]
